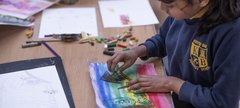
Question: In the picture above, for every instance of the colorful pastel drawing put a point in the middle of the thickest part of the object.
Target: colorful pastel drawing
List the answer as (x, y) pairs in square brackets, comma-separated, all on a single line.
[(108, 94), (23, 8)]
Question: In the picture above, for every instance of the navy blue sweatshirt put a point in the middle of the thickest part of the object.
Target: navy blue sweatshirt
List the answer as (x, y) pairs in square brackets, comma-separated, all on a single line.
[(209, 64)]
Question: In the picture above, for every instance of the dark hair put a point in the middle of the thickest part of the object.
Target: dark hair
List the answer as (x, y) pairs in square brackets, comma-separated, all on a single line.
[(220, 11)]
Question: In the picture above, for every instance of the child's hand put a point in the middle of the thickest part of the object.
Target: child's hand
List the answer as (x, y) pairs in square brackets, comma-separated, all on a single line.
[(128, 57), (155, 84)]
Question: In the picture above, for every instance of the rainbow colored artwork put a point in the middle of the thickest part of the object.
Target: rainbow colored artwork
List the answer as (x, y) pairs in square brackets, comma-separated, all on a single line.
[(109, 96)]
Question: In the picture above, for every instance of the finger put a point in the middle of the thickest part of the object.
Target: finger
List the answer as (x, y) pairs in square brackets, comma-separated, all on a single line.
[(130, 83), (139, 85), (134, 86), (124, 66), (142, 90), (113, 66), (115, 61), (109, 62), (146, 76), (145, 84), (138, 80)]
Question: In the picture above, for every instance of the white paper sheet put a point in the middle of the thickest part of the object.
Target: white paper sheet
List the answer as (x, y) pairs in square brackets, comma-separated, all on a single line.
[(138, 11), (34, 88), (68, 21)]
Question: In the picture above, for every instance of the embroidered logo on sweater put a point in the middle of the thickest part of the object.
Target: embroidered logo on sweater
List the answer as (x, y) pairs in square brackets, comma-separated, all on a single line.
[(198, 56)]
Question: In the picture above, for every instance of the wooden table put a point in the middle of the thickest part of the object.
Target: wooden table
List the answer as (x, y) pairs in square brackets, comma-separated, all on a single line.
[(75, 56)]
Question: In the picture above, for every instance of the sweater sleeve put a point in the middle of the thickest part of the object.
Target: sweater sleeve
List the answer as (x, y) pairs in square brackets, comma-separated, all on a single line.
[(156, 44), (225, 93)]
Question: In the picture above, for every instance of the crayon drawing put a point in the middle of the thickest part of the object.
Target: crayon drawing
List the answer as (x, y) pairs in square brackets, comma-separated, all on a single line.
[(109, 96)]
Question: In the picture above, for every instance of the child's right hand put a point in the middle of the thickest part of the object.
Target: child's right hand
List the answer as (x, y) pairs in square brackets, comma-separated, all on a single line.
[(128, 57)]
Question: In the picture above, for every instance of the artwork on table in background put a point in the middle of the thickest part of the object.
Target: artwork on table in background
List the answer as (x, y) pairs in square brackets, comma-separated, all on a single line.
[(108, 94), (23, 8), (19, 12), (123, 13)]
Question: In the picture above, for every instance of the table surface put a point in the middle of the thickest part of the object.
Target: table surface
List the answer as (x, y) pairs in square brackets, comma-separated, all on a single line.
[(76, 57)]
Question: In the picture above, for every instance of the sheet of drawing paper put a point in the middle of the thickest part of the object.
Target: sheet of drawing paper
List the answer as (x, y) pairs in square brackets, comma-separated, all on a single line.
[(68, 21), (139, 12), (109, 96), (33, 88), (23, 8)]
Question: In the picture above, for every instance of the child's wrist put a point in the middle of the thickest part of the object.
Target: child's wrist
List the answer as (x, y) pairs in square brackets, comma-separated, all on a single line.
[(174, 84), (140, 50)]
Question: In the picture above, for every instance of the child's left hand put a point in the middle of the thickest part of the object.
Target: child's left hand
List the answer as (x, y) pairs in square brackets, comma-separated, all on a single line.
[(156, 83)]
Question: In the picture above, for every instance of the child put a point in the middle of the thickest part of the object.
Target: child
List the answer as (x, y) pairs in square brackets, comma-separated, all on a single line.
[(202, 43)]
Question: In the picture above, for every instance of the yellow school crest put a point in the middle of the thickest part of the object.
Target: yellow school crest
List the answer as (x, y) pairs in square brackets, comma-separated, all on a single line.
[(198, 56)]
